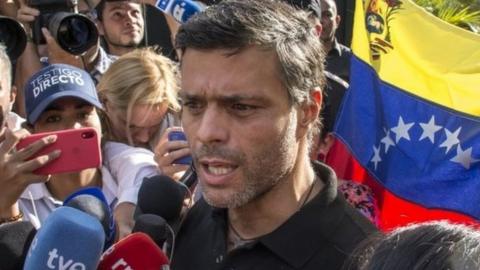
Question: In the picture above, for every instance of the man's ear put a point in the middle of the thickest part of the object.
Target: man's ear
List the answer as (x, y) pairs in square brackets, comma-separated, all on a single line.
[(309, 111), (338, 19)]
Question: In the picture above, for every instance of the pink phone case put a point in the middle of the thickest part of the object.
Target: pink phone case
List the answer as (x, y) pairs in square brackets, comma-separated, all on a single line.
[(80, 150)]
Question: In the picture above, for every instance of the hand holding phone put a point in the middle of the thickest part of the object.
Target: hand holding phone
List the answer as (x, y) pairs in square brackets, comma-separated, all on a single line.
[(80, 149), (16, 168), (177, 135)]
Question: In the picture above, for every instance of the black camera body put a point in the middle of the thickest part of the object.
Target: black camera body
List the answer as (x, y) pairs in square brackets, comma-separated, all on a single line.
[(48, 9), (74, 32)]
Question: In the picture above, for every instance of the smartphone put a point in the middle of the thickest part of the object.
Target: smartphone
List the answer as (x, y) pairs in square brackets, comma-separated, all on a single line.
[(80, 149), (176, 135)]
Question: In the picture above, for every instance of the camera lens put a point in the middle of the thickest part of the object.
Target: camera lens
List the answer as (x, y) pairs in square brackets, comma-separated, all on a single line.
[(75, 33), (13, 36)]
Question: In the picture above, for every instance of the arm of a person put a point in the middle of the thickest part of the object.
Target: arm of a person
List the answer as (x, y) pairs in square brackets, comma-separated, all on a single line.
[(173, 26), (27, 65), (128, 166), (123, 215), (16, 170), (29, 61)]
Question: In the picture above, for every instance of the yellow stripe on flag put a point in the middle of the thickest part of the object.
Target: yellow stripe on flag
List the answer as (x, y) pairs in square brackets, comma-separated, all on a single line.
[(419, 53)]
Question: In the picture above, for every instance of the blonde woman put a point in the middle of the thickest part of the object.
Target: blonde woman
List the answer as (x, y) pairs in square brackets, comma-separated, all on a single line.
[(139, 94)]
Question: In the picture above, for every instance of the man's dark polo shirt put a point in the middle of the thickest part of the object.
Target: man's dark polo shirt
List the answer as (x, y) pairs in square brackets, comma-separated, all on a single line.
[(338, 61), (319, 236)]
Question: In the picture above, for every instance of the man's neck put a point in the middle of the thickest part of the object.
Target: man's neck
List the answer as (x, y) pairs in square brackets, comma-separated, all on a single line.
[(119, 50), (328, 45), (272, 209), (62, 185)]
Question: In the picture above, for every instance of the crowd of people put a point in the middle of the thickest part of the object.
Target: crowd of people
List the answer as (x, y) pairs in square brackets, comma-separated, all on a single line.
[(256, 92)]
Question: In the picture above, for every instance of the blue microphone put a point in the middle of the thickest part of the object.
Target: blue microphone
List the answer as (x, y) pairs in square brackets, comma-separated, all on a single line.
[(68, 239), (181, 10), (92, 201)]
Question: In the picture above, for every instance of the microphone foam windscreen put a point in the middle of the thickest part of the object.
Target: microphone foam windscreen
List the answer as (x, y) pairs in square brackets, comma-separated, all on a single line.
[(154, 226), (15, 239), (94, 191), (93, 202), (162, 196), (68, 239), (136, 251)]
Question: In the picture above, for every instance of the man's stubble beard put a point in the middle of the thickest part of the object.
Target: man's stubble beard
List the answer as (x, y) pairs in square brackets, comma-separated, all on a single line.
[(272, 165)]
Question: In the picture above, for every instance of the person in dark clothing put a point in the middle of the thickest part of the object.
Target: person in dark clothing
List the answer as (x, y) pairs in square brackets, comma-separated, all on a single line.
[(338, 55), (252, 75), (325, 18)]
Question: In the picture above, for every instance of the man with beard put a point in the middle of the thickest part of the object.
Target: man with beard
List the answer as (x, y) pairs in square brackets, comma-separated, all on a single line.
[(252, 76), (121, 24)]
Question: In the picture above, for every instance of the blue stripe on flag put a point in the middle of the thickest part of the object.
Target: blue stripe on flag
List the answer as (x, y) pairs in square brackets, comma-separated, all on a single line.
[(420, 151)]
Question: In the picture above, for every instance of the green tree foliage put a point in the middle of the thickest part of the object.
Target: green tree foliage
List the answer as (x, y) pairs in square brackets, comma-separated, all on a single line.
[(462, 13)]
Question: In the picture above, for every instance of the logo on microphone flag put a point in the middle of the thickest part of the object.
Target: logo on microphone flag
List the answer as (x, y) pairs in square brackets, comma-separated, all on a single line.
[(411, 116)]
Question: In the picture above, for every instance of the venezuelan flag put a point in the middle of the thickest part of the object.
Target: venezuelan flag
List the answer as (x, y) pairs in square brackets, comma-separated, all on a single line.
[(411, 117)]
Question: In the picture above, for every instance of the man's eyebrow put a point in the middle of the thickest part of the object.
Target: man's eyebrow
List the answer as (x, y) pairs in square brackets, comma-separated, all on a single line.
[(225, 99), (237, 98)]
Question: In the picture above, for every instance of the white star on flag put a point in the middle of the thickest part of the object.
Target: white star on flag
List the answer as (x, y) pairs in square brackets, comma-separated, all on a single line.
[(376, 156), (387, 140), (429, 130), (401, 130), (452, 139), (464, 157)]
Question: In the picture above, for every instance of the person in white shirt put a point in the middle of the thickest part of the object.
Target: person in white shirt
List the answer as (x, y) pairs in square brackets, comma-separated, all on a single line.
[(139, 93)]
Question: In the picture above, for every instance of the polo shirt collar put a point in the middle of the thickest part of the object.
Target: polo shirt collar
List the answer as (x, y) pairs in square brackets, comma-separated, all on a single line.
[(336, 49), (302, 235), (39, 191)]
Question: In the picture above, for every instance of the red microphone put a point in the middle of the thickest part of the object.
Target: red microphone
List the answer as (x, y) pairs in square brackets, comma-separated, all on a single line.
[(136, 251)]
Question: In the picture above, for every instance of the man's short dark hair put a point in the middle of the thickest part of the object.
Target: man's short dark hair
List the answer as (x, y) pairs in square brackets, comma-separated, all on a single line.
[(271, 25), (101, 7)]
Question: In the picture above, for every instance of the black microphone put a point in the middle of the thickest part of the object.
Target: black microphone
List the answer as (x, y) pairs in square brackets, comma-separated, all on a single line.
[(15, 240), (154, 226), (162, 196)]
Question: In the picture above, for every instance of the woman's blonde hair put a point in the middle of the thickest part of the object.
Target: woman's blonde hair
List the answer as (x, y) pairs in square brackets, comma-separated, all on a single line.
[(140, 77)]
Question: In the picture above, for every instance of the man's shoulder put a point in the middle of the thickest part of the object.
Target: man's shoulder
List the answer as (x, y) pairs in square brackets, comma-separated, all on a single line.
[(201, 212), (351, 229)]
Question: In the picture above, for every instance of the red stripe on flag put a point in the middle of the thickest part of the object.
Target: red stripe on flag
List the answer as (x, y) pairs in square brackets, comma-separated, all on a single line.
[(394, 211)]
